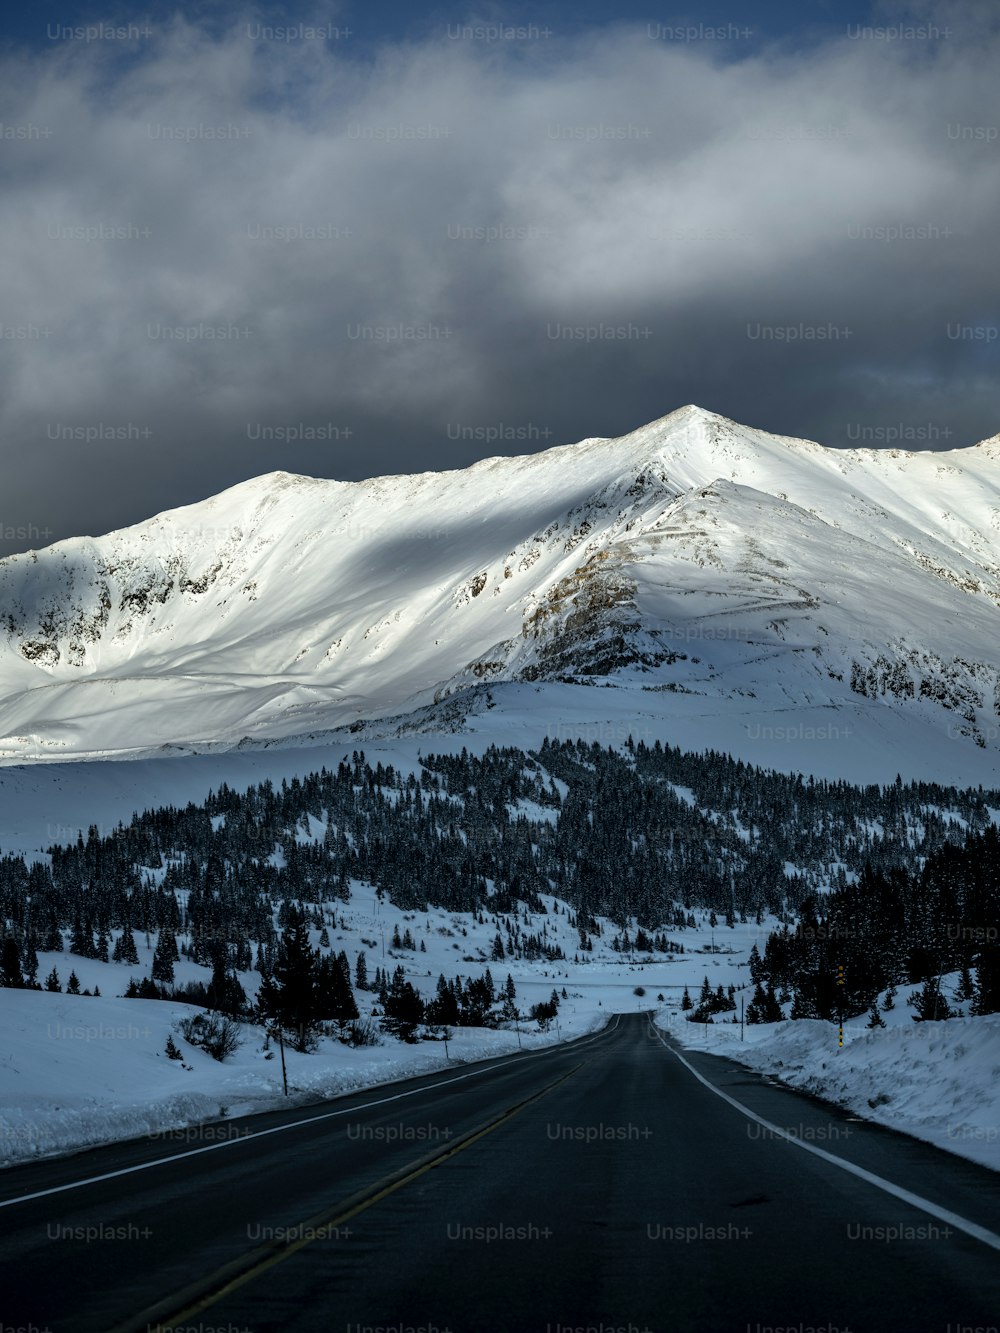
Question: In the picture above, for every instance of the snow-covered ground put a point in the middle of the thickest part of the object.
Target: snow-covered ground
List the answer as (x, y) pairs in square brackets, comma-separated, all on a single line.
[(77, 1071), (937, 1081), (82, 1070)]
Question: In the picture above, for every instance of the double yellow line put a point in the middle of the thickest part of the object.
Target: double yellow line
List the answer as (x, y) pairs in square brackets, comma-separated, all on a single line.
[(191, 1301)]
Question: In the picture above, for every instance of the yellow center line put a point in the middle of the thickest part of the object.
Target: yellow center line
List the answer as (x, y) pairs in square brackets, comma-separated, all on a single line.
[(230, 1277)]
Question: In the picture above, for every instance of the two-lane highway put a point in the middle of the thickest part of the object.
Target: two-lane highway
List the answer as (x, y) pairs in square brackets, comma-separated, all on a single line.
[(611, 1182)]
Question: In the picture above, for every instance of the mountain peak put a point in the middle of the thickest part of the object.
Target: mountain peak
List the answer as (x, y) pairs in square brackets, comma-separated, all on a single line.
[(288, 604), (688, 415)]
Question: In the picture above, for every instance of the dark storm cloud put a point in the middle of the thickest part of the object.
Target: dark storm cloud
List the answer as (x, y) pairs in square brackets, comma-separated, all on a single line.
[(466, 247)]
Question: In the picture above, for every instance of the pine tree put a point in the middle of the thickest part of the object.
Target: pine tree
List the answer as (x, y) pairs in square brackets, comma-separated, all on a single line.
[(757, 1009), (52, 981), (287, 996), (81, 940), (987, 997), (333, 998), (803, 1006), (443, 1009), (125, 950), (10, 965), (73, 985), (772, 1009), (875, 1019), (53, 935), (404, 1008), (508, 1010), (756, 966), (29, 962), (477, 1003), (163, 961), (361, 972), (225, 994), (686, 1000), (929, 1003)]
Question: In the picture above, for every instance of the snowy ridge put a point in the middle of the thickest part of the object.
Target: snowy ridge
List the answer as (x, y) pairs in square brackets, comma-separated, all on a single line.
[(695, 564)]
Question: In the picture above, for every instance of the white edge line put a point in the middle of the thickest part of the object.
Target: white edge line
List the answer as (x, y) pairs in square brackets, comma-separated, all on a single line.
[(295, 1124), (914, 1200)]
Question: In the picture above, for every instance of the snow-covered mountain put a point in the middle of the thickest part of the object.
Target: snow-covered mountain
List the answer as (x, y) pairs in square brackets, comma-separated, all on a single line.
[(703, 568)]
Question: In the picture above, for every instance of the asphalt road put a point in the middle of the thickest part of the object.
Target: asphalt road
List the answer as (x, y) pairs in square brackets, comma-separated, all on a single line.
[(605, 1186)]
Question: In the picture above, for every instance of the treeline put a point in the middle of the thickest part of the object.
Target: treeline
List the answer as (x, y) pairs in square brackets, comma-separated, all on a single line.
[(647, 834), (469, 1002), (896, 927)]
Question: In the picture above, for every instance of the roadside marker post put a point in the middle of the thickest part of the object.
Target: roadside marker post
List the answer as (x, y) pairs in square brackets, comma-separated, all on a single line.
[(840, 1007)]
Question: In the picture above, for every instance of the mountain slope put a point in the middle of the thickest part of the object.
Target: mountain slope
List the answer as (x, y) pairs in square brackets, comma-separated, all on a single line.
[(722, 567)]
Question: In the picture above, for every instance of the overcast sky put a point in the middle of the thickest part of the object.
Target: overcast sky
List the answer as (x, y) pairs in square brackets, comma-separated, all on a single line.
[(428, 237)]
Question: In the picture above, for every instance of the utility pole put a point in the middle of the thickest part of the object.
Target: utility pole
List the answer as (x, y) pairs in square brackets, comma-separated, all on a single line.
[(741, 1018)]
